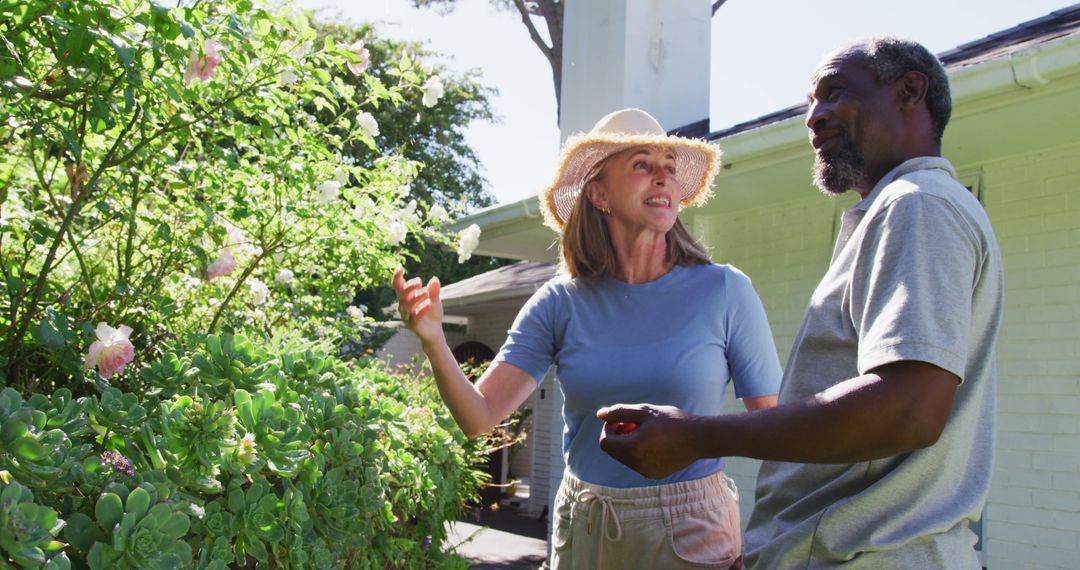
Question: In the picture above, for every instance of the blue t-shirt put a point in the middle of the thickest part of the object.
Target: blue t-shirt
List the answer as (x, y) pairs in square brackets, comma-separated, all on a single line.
[(674, 341)]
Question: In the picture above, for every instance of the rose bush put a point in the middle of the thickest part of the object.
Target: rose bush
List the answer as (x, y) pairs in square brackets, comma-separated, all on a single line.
[(190, 195)]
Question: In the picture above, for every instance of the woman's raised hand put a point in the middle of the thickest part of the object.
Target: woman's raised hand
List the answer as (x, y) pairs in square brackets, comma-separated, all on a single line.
[(420, 307)]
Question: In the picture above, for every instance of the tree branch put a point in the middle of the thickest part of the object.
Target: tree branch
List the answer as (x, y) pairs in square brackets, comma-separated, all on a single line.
[(534, 34)]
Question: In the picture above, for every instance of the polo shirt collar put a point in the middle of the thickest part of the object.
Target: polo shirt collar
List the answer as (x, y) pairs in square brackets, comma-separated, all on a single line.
[(908, 166)]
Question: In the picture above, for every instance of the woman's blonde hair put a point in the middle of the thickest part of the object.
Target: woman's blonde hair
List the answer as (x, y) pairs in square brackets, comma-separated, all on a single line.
[(587, 251)]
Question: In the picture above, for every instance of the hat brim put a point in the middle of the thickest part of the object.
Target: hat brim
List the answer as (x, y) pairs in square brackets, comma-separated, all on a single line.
[(697, 163)]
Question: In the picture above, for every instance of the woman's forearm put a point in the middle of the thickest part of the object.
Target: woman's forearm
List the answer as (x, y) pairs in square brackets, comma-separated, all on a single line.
[(465, 402)]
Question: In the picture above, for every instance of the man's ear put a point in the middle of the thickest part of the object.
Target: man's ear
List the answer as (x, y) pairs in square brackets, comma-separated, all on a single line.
[(594, 191), (911, 89)]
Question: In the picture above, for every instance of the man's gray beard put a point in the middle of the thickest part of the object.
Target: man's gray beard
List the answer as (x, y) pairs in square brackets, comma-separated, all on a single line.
[(839, 173)]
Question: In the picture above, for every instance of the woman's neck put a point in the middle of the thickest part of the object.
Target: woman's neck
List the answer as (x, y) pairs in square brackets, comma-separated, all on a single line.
[(641, 259)]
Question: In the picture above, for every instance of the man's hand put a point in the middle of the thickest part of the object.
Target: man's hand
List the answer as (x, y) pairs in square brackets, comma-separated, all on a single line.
[(656, 447)]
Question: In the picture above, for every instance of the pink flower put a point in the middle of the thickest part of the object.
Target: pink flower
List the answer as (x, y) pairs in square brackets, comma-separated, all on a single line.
[(202, 67), (221, 266), (111, 351), (364, 58)]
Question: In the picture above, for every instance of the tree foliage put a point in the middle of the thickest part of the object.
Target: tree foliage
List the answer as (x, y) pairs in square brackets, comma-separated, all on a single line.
[(432, 136)]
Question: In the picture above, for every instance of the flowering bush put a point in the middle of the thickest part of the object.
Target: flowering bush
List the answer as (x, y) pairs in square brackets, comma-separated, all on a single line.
[(176, 178), (163, 173)]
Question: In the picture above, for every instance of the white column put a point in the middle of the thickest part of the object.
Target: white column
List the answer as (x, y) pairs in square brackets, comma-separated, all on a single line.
[(650, 54)]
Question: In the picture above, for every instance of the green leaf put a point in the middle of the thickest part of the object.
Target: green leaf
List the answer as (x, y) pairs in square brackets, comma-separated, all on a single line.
[(123, 49), (101, 556), (12, 429), (28, 448), (49, 337), (176, 526), (138, 502), (14, 285), (81, 531), (109, 510), (71, 142)]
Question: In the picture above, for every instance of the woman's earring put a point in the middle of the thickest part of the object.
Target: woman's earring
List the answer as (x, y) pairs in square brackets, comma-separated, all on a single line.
[(605, 211)]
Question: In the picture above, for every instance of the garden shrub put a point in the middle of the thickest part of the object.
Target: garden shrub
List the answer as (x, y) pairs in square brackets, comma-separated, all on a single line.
[(184, 219), (322, 463)]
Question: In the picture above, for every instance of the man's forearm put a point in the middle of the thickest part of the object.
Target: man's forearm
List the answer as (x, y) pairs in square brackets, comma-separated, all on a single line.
[(864, 418)]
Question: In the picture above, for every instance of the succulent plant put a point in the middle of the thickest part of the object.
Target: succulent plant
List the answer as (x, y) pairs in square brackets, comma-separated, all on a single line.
[(28, 531), (198, 433), (281, 435), (36, 455), (233, 362), (118, 412), (169, 375), (132, 533), (258, 519)]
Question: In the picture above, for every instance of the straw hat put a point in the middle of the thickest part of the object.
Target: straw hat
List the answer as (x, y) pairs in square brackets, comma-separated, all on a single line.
[(696, 161)]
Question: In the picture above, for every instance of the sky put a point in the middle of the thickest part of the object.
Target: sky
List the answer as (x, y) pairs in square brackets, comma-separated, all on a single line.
[(761, 57)]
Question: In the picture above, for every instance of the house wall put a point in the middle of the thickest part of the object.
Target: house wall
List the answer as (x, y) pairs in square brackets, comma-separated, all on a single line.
[(784, 247), (783, 240), (1033, 515)]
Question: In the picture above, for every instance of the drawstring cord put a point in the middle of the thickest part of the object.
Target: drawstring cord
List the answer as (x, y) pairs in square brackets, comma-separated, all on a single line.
[(607, 508)]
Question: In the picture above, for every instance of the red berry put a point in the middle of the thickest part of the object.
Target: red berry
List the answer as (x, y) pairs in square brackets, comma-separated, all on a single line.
[(629, 427)]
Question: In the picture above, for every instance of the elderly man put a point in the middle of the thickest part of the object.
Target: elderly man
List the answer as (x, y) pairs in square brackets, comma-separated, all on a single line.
[(879, 453)]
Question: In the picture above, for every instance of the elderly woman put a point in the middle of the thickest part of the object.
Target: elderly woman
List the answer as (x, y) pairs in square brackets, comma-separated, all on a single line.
[(638, 314)]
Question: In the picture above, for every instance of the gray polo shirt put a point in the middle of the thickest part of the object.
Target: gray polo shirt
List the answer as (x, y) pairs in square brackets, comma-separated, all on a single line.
[(915, 275)]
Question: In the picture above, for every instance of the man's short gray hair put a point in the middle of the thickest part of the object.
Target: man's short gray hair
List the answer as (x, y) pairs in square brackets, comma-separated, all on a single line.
[(889, 58)]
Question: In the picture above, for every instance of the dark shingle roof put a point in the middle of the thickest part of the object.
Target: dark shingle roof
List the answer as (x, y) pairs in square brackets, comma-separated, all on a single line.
[(1056, 24), (509, 277)]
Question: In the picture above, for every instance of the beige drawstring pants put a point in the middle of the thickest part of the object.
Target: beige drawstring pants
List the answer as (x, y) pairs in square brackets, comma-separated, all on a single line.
[(693, 524)]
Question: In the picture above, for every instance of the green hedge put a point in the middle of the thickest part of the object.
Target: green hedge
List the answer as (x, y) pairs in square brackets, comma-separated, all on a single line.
[(242, 454)]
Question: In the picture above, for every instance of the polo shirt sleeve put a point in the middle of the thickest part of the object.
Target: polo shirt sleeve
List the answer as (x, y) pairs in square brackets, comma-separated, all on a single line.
[(911, 288), (531, 341), (751, 350)]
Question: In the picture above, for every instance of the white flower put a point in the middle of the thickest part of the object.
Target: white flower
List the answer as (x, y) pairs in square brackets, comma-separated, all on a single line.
[(301, 51), (433, 90), (283, 276), (341, 175), (396, 232), (360, 212), (404, 189), (328, 191), (259, 291), (408, 214), (437, 213), (427, 66), (214, 303), (469, 240), (368, 123), (278, 257), (356, 312), (288, 77)]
